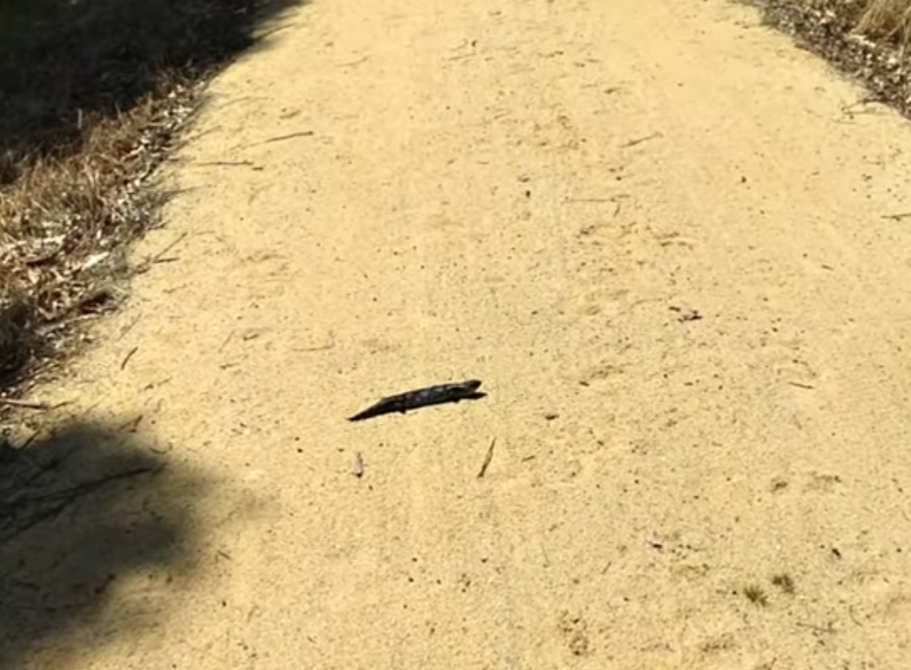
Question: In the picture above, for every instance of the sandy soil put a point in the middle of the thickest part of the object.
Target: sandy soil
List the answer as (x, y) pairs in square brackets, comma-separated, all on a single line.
[(657, 232)]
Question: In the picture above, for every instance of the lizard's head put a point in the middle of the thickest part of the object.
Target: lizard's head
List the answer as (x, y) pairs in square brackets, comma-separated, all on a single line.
[(473, 384)]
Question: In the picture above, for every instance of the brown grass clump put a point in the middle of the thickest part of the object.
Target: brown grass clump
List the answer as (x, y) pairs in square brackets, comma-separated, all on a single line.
[(756, 595), (65, 224), (880, 21), (94, 95)]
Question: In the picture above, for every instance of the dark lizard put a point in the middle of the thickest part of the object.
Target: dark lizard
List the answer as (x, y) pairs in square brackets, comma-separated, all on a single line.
[(432, 395)]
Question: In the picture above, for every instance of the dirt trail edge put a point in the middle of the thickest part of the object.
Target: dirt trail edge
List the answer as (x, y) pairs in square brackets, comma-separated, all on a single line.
[(672, 250)]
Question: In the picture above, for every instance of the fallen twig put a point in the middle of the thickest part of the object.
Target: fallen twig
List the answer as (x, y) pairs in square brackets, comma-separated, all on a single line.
[(639, 140), (353, 63), (358, 465), (154, 385), (132, 425), (303, 133), (157, 258), (225, 164), (801, 386), (487, 458), (173, 244), (126, 329), (26, 404), (126, 359), (227, 340)]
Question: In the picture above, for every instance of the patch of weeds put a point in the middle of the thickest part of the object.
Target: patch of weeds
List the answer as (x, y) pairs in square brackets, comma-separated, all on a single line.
[(756, 595)]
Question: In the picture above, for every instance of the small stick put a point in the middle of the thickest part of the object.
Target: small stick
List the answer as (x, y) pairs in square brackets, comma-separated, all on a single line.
[(640, 140), (801, 386), (152, 385), (126, 359), (358, 465), (173, 244), (150, 261), (487, 458), (354, 62), (29, 440), (305, 133), (132, 424), (322, 348), (27, 404), (897, 217), (854, 618), (225, 343), (225, 163), (129, 327)]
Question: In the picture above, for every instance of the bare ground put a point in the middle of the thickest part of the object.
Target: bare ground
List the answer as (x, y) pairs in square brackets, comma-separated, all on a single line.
[(662, 236)]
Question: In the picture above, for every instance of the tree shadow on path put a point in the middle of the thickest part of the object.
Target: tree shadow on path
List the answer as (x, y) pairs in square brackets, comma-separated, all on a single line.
[(80, 511), (65, 63)]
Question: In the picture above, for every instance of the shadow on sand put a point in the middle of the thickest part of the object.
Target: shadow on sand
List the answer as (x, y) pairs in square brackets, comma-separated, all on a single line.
[(64, 63), (80, 511)]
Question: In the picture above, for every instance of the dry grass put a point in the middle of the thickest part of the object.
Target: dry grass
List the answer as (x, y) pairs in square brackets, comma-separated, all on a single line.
[(887, 20), (65, 224), (884, 21), (95, 93), (756, 595)]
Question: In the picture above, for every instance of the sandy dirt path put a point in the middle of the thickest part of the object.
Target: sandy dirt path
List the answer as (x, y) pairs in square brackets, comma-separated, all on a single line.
[(654, 229)]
